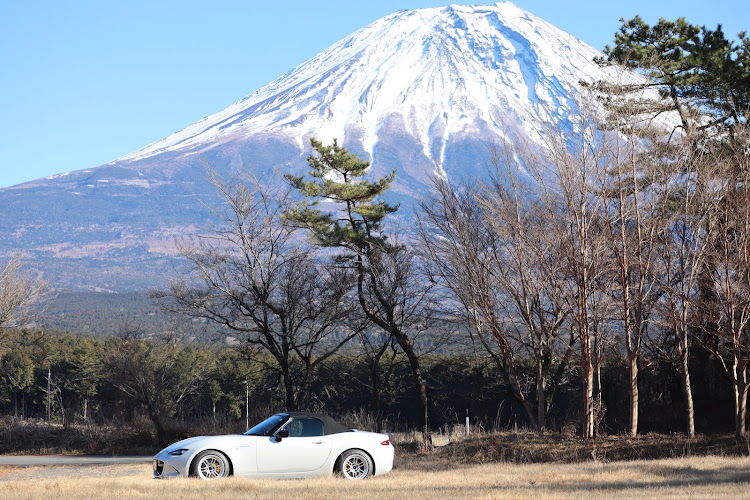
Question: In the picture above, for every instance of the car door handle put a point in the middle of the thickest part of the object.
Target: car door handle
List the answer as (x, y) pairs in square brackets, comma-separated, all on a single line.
[(318, 442)]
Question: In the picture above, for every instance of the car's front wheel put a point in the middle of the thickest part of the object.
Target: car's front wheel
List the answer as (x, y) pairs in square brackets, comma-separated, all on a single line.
[(355, 464), (210, 464)]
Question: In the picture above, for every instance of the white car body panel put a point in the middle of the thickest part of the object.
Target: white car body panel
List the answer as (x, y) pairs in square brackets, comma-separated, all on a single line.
[(264, 456), (294, 454)]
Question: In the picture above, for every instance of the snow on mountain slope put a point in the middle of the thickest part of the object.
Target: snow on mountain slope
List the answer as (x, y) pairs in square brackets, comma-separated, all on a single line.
[(479, 71)]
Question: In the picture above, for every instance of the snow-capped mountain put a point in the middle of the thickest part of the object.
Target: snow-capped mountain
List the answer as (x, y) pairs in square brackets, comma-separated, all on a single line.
[(422, 91), (440, 72)]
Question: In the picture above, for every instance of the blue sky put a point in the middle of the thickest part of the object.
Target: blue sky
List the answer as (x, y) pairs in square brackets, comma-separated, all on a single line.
[(84, 82)]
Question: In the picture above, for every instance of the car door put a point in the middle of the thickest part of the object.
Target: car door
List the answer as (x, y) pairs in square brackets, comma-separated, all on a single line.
[(244, 453), (306, 449)]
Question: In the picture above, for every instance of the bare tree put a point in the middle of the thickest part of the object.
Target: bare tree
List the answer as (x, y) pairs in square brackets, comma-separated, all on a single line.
[(258, 278), (527, 264), (484, 248), (729, 264), (18, 292), (569, 183), (636, 182), (688, 230)]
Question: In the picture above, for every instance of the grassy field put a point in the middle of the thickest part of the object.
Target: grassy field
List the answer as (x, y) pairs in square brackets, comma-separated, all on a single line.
[(696, 477)]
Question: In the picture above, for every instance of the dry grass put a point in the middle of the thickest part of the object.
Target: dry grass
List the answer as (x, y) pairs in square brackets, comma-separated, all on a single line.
[(703, 477)]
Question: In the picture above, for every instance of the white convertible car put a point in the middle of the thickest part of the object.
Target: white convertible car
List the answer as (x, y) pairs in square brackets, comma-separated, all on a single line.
[(285, 445)]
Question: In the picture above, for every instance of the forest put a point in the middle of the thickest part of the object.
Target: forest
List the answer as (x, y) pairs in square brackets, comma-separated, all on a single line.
[(600, 283)]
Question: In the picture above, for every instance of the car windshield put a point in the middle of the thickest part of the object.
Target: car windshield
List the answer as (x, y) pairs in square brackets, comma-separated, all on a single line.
[(268, 426)]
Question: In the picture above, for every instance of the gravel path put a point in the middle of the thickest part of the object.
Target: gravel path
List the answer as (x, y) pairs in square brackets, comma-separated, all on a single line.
[(38, 460), (27, 473)]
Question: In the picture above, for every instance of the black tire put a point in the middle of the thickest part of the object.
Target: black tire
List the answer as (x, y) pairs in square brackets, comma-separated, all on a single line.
[(210, 464), (355, 464)]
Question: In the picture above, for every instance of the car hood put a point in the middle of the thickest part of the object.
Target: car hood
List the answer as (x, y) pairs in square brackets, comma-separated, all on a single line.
[(185, 443)]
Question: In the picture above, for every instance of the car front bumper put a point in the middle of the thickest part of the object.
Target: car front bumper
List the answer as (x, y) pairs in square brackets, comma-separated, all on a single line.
[(168, 469)]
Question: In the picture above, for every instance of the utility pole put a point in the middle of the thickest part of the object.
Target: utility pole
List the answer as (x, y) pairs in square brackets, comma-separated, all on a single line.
[(247, 405), (49, 391)]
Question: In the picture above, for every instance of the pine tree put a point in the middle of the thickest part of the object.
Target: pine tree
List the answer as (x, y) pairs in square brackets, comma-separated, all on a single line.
[(338, 176), (383, 269), (703, 75)]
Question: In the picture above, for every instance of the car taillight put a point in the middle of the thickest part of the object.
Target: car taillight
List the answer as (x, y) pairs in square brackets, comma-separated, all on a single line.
[(387, 442)]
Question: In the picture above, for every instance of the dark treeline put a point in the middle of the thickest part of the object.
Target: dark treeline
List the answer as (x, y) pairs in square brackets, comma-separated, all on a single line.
[(196, 388)]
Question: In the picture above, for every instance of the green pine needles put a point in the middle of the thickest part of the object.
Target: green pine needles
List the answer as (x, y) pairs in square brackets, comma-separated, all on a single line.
[(338, 175), (691, 64)]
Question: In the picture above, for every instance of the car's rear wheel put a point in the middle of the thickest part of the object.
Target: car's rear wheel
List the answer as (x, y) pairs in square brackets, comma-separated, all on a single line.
[(210, 464), (355, 464)]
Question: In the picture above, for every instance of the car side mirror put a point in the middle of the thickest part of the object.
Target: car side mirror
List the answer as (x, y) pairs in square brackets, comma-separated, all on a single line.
[(281, 435)]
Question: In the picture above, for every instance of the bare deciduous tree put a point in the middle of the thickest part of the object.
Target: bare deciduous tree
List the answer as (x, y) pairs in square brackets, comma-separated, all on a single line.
[(256, 276), (729, 264), (528, 264), (570, 181), (18, 292), (688, 229), (635, 183), (488, 247)]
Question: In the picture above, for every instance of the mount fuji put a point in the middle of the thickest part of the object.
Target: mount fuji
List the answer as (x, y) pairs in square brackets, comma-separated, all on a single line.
[(423, 92)]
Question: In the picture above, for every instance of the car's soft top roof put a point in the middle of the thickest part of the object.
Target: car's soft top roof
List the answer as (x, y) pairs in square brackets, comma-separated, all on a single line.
[(330, 426)]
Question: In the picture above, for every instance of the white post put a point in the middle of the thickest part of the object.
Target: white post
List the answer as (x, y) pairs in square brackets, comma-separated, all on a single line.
[(49, 390), (467, 423), (247, 406)]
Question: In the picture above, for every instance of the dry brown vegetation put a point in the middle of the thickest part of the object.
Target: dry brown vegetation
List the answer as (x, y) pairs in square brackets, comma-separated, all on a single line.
[(530, 447), (705, 477)]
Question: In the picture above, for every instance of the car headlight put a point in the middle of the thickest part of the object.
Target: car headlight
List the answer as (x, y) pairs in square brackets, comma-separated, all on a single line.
[(177, 453)]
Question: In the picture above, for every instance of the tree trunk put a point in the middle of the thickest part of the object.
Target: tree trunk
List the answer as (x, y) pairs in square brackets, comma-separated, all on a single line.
[(290, 400), (740, 405), (161, 433), (597, 395), (689, 409), (419, 385), (633, 375), (375, 380), (587, 379), (541, 396), (740, 398), (588, 400)]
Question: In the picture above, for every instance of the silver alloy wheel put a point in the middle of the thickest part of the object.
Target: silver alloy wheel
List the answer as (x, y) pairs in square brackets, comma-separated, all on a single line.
[(211, 465), (356, 465)]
